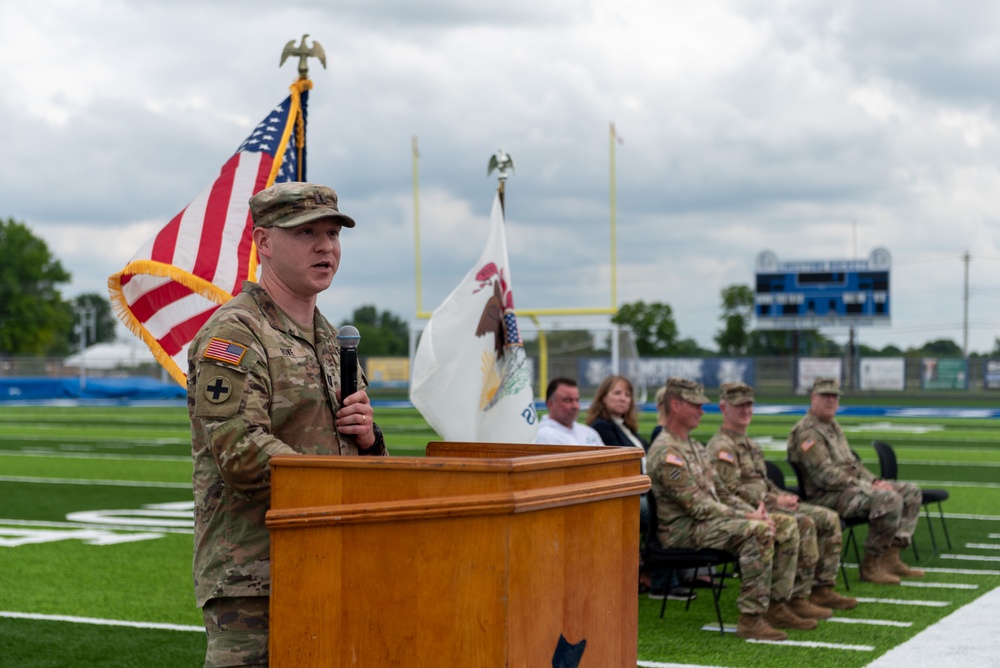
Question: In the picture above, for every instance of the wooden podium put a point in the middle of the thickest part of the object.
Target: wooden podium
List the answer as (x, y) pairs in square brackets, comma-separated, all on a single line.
[(479, 555)]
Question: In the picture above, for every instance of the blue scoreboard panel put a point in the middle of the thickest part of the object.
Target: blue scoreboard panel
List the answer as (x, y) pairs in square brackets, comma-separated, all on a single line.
[(822, 293)]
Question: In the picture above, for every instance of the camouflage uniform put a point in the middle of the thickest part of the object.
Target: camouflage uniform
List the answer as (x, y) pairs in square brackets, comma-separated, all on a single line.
[(258, 385), (739, 464), (691, 514), (837, 480)]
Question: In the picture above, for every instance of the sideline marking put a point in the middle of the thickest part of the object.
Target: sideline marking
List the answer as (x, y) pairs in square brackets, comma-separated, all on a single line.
[(969, 557), (95, 455), (100, 622), (813, 645), (78, 525), (901, 601), (657, 664), (939, 585), (83, 481), (872, 622)]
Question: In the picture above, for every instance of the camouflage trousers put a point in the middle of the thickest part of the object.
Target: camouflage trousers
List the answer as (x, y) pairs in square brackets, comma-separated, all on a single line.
[(753, 543), (237, 631), (818, 549), (892, 514), (788, 543)]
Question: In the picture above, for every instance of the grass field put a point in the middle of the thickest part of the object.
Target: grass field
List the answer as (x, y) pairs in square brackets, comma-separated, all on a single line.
[(95, 541)]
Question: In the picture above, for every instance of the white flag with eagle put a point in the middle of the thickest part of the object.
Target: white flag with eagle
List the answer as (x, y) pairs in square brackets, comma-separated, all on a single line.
[(470, 376)]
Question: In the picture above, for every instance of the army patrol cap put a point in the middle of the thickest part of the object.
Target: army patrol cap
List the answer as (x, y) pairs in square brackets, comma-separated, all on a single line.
[(294, 203), (688, 390), (826, 386), (736, 394)]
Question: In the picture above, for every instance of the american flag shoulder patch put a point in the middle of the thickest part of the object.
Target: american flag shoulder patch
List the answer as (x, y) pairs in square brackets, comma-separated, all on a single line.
[(808, 443), (674, 460), (726, 456), (225, 351)]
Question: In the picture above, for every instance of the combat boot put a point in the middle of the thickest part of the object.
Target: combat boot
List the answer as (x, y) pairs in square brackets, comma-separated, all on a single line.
[(872, 570), (806, 609), (893, 564), (755, 627), (780, 616), (826, 597)]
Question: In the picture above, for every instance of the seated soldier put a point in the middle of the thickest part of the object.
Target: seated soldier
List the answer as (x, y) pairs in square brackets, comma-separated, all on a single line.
[(691, 514), (739, 464), (836, 479)]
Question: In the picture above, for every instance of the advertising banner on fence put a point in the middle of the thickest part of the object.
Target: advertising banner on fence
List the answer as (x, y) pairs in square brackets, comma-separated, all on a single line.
[(944, 373), (882, 373), (654, 371), (811, 368), (991, 374)]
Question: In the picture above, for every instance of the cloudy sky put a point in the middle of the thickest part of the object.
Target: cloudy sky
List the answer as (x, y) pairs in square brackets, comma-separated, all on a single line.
[(815, 130)]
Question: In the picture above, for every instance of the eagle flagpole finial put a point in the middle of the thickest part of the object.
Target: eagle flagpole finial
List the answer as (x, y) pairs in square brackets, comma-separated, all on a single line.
[(304, 53), (501, 161)]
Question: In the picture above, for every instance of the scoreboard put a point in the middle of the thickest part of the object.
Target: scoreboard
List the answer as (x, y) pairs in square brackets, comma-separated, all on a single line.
[(811, 294)]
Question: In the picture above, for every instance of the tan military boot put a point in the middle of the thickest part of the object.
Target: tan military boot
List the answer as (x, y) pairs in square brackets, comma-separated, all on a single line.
[(806, 609), (780, 616), (826, 597), (873, 570), (893, 564), (755, 627)]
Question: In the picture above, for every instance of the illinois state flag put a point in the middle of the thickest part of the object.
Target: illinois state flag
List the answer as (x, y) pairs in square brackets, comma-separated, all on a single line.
[(470, 376), (177, 280)]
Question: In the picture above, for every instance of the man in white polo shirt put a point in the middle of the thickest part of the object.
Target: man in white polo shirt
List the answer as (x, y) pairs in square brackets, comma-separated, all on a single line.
[(559, 427)]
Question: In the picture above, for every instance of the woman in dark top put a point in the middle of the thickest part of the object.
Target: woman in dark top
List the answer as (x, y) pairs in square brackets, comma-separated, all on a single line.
[(614, 415)]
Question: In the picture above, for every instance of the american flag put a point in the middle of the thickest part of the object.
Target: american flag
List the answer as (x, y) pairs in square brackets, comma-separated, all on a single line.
[(227, 351), (200, 259)]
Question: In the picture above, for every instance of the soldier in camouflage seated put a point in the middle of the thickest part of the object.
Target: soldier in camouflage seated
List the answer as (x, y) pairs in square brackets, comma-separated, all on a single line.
[(691, 514), (264, 379), (836, 479), (739, 465)]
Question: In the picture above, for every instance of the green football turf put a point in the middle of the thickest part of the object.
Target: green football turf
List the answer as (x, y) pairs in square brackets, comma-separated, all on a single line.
[(60, 460)]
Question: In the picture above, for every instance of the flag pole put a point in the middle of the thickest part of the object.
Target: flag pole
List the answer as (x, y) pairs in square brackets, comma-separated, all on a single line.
[(612, 140), (415, 156)]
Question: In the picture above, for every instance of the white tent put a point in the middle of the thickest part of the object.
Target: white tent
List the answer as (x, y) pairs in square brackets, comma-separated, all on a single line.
[(112, 355)]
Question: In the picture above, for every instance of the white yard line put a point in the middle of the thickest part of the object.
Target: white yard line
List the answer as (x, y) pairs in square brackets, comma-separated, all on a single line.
[(101, 622), (80, 525), (657, 664), (871, 622), (813, 645), (79, 455), (983, 546), (83, 481), (969, 557), (938, 585), (903, 601)]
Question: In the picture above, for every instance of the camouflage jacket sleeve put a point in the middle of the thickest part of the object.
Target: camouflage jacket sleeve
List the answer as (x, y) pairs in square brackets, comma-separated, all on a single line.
[(677, 480), (725, 456), (229, 410), (821, 460)]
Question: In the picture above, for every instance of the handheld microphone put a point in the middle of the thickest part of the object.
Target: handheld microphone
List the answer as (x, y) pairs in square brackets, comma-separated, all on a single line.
[(348, 339)]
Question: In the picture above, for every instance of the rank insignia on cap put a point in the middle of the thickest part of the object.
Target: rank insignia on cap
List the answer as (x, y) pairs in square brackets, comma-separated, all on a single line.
[(725, 456), (808, 443), (225, 351), (674, 460)]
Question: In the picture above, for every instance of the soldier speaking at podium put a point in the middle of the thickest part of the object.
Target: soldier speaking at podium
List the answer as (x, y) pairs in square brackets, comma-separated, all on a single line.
[(264, 379)]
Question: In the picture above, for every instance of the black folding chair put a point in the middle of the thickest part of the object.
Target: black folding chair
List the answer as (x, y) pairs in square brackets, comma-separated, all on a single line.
[(672, 559), (889, 469)]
